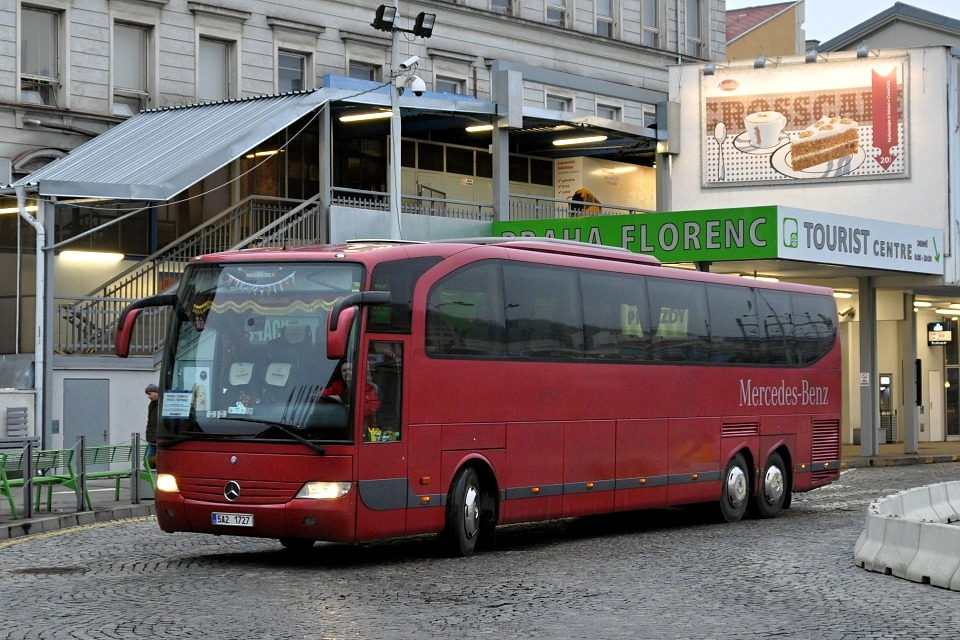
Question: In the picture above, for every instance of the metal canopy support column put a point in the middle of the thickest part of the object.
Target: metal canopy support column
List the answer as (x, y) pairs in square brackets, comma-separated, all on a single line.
[(869, 396), (325, 153), (508, 95), (909, 373)]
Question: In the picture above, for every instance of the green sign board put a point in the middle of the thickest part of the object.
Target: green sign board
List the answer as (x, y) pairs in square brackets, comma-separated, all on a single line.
[(748, 233)]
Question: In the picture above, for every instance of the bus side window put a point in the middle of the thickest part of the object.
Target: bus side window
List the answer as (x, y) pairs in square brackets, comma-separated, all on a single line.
[(385, 367)]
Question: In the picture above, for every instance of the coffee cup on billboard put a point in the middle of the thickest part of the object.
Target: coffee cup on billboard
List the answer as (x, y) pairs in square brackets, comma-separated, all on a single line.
[(764, 128)]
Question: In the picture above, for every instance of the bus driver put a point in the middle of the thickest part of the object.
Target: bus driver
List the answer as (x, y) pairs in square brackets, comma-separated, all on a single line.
[(339, 391)]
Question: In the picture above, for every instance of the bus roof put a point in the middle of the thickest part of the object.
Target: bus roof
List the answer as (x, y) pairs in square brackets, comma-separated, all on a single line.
[(383, 250), (441, 248)]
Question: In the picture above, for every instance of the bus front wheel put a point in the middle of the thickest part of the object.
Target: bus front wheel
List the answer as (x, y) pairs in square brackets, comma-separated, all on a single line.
[(773, 488), (463, 514), (735, 492)]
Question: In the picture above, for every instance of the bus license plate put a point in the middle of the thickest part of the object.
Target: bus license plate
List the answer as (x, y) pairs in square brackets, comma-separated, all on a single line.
[(232, 519)]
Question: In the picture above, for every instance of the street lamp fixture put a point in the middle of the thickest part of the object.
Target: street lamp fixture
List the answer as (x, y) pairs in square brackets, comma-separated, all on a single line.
[(386, 20), (402, 77)]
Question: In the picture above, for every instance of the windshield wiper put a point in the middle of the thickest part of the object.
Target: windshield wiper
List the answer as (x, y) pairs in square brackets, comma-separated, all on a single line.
[(284, 427)]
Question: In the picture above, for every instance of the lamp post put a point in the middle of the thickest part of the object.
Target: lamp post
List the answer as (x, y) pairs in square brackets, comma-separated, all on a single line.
[(385, 20)]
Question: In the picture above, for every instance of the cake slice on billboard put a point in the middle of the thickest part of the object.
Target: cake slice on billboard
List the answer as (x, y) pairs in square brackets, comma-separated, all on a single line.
[(826, 139)]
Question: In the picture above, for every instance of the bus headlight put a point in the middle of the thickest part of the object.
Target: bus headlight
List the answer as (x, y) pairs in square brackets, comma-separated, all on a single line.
[(166, 482), (324, 490)]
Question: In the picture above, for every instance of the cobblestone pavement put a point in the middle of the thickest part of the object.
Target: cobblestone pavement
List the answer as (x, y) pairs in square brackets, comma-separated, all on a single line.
[(657, 574)]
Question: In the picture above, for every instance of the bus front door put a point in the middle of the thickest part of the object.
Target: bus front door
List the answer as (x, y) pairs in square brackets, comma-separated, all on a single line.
[(382, 457)]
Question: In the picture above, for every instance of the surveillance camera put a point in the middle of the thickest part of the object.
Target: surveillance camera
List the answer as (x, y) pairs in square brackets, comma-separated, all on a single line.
[(417, 85), (409, 63)]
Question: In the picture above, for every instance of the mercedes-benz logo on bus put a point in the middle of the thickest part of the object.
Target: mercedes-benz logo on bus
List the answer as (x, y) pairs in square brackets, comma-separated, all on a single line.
[(231, 491)]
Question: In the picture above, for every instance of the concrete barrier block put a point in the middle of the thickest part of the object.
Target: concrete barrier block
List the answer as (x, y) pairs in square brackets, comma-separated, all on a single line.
[(916, 505), (936, 560), (953, 496), (941, 503), (870, 541), (901, 542), (891, 505)]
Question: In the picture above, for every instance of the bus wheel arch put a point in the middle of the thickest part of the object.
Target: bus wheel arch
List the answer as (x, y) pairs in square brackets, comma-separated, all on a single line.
[(472, 510), (774, 486), (735, 488)]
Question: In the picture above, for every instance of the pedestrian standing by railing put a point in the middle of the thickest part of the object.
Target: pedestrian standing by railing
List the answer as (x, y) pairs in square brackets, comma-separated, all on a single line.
[(153, 392)]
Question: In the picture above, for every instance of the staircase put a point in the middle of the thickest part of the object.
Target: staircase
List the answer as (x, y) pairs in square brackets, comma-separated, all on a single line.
[(86, 324)]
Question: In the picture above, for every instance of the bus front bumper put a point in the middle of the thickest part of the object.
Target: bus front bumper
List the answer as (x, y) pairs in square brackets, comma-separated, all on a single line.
[(330, 520)]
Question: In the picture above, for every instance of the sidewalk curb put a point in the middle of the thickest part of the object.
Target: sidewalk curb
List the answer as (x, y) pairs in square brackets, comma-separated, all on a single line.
[(44, 524), (896, 461)]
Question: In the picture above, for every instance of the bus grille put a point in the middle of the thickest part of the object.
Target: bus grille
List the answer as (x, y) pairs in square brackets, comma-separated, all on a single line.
[(741, 429), (251, 491), (825, 445)]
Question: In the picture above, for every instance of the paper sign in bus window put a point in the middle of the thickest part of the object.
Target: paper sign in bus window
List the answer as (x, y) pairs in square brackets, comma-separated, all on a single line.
[(673, 322), (176, 404), (630, 324)]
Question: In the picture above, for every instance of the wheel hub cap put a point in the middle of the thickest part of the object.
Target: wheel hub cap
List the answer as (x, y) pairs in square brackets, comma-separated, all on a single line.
[(471, 512), (773, 484), (736, 486)]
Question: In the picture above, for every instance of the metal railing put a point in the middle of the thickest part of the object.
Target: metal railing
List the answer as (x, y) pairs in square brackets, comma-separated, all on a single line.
[(524, 207)]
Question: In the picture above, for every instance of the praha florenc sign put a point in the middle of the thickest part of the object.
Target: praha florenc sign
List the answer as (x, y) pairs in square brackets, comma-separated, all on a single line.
[(752, 233), (829, 121)]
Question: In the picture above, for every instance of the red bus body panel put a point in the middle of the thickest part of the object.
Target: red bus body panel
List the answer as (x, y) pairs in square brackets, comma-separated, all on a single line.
[(557, 439)]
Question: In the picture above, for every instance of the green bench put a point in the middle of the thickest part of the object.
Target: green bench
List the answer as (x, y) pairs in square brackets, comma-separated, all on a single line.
[(49, 468), (115, 462)]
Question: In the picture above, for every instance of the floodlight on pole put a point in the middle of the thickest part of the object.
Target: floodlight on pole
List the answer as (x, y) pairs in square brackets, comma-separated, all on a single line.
[(385, 20)]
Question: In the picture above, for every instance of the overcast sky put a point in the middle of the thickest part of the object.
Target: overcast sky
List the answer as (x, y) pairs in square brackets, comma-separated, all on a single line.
[(826, 19)]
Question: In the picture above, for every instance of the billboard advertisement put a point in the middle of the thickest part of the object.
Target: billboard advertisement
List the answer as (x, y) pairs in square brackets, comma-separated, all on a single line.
[(827, 121)]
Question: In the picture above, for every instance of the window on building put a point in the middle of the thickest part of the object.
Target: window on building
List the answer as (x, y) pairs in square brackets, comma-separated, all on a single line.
[(39, 56), (448, 85), (608, 112), (291, 71), (693, 22), (557, 13), (604, 11), (130, 59), (363, 71), (649, 115), (214, 70), (650, 23), (502, 6), (558, 103)]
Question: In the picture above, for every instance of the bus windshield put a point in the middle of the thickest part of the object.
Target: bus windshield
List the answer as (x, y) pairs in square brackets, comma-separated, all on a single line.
[(249, 353)]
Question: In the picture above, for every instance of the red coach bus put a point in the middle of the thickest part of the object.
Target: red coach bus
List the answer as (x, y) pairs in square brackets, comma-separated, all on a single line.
[(376, 389)]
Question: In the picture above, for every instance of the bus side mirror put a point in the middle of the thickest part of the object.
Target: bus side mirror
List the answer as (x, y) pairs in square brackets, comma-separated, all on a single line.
[(341, 318), (125, 331), (128, 318), (338, 332)]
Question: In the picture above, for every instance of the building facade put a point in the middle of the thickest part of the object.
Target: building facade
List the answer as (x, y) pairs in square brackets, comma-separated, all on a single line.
[(517, 64)]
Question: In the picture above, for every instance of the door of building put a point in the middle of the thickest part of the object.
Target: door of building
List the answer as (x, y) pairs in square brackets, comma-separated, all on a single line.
[(86, 411)]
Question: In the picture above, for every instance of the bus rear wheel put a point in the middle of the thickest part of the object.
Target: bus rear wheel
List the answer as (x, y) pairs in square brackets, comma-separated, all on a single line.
[(773, 488), (735, 492), (464, 514)]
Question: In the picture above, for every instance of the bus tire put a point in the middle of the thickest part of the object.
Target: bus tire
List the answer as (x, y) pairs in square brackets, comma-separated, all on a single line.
[(773, 488), (296, 544), (463, 514), (735, 490)]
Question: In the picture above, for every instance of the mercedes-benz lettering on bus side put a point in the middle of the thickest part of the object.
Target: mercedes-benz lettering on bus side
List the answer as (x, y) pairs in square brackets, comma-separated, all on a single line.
[(371, 390)]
